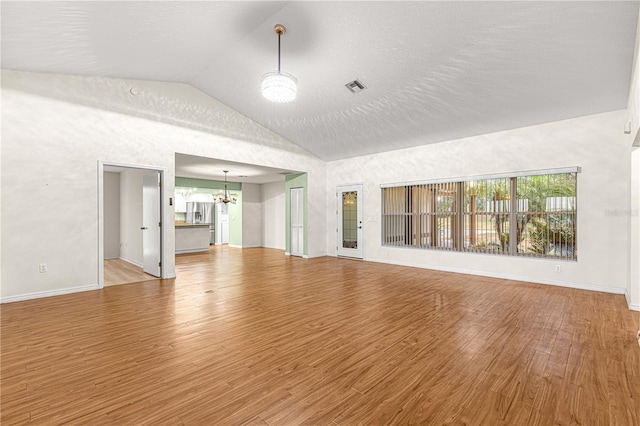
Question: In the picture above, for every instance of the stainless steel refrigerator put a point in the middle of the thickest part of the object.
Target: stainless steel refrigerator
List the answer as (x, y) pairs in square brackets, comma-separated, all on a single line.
[(202, 213)]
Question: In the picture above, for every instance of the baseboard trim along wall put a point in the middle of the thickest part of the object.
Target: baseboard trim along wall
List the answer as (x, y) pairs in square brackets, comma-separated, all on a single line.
[(39, 295), (234, 246), (313, 256), (191, 251), (632, 306), (590, 287), (133, 262)]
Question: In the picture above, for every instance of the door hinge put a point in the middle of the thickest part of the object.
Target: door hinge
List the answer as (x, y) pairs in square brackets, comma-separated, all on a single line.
[(159, 223), (159, 263), (160, 184)]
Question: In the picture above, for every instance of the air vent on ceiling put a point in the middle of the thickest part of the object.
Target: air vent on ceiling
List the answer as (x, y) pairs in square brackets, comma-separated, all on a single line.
[(355, 86)]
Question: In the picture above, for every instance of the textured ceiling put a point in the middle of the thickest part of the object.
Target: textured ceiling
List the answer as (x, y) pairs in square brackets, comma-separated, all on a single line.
[(208, 168), (435, 71)]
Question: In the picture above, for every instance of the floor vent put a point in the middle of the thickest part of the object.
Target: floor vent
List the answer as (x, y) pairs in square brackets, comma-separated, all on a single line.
[(355, 86)]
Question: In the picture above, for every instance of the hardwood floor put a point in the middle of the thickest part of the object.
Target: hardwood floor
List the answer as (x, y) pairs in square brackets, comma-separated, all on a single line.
[(254, 337), (118, 271)]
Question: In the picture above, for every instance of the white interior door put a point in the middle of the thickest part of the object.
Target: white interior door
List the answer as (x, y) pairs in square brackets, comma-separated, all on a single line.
[(297, 221), (151, 223), (350, 221), (224, 230)]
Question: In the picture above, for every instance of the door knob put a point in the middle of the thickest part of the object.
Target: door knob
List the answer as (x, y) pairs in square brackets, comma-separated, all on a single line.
[(144, 228)]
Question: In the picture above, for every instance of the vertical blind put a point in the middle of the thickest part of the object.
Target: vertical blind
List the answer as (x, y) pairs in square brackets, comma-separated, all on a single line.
[(522, 215)]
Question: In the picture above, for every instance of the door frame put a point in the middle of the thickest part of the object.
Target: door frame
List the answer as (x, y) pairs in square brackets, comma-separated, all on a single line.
[(163, 228), (360, 188), (299, 189)]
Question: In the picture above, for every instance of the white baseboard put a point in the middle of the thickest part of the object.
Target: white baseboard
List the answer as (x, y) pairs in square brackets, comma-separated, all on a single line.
[(133, 262), (312, 256), (286, 253), (632, 306), (581, 286), (200, 250), (169, 276), (234, 246), (42, 294)]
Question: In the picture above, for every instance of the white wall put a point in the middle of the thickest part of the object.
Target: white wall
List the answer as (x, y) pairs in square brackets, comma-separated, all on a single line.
[(634, 90), (595, 143), (72, 123), (111, 215), (634, 234), (251, 216), (634, 206), (273, 215), (131, 215)]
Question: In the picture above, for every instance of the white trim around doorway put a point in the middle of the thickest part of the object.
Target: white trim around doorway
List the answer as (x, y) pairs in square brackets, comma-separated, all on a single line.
[(163, 229)]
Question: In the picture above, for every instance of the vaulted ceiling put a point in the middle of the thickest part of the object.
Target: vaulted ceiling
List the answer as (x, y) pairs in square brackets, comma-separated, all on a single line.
[(434, 71)]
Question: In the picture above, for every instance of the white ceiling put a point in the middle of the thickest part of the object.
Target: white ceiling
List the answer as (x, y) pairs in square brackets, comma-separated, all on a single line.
[(435, 71), (192, 166)]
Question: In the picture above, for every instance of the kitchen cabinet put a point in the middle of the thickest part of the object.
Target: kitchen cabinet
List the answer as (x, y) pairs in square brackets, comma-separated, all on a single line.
[(181, 203)]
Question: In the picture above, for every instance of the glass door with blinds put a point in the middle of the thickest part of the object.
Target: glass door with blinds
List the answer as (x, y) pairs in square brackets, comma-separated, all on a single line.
[(349, 227)]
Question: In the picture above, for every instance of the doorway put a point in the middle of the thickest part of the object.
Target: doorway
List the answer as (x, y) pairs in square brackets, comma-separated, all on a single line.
[(349, 209), (131, 250)]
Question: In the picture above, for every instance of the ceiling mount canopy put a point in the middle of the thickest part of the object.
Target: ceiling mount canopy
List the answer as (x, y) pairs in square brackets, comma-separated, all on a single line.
[(279, 86)]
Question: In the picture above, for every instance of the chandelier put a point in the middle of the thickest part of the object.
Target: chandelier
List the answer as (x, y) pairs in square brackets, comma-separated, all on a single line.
[(225, 197), (279, 86)]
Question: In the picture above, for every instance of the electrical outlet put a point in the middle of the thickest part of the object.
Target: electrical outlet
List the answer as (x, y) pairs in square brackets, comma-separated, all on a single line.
[(43, 268), (558, 268)]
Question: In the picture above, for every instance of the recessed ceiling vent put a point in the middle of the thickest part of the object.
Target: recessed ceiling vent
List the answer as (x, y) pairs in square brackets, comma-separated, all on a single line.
[(355, 86)]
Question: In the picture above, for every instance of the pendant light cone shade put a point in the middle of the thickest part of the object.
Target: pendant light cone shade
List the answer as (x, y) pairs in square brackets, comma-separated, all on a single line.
[(279, 86)]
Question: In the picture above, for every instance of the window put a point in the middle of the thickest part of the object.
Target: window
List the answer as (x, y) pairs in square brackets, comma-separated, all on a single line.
[(481, 215)]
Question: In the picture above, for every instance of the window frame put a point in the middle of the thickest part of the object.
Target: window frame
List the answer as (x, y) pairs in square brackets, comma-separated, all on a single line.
[(408, 218)]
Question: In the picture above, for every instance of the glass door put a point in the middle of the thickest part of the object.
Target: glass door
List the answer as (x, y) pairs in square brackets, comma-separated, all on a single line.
[(350, 221)]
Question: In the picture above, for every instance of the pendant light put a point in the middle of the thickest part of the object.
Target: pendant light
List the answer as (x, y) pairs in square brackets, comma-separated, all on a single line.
[(225, 197), (279, 86)]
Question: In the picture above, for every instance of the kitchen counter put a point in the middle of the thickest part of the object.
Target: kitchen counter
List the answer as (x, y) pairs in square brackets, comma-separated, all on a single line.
[(192, 238)]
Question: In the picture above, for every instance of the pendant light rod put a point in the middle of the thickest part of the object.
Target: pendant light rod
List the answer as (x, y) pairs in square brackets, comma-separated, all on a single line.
[(279, 29)]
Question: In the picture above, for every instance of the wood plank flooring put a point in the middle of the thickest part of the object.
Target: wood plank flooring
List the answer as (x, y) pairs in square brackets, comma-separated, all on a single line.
[(254, 337), (118, 271)]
